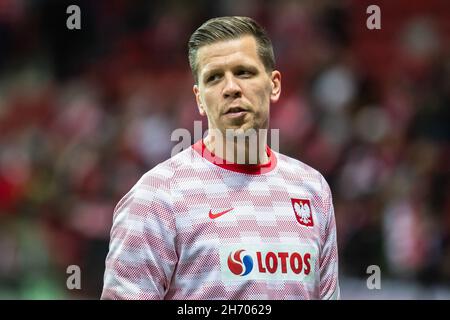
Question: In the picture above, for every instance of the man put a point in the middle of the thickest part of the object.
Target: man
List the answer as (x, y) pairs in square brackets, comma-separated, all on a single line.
[(203, 225)]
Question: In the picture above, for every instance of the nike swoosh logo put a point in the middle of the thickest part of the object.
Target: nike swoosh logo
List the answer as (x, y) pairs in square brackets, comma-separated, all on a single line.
[(219, 214)]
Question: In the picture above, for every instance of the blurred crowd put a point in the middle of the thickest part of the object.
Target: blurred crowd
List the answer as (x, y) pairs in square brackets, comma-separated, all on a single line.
[(84, 113)]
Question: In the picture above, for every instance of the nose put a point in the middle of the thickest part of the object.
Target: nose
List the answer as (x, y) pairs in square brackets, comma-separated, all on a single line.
[(231, 88)]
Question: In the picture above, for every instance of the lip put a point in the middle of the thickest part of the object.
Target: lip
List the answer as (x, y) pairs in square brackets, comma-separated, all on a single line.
[(235, 106), (236, 114)]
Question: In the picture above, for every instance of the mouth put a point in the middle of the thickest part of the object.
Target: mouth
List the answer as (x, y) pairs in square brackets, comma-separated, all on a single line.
[(235, 110), (235, 113)]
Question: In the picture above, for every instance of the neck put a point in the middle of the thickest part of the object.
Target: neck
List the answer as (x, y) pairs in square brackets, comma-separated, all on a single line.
[(240, 149)]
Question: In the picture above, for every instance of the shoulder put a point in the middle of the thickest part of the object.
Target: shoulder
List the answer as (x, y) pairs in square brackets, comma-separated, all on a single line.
[(161, 176), (296, 170), (155, 185)]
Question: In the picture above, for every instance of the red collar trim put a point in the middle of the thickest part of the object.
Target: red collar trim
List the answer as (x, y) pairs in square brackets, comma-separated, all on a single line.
[(256, 169)]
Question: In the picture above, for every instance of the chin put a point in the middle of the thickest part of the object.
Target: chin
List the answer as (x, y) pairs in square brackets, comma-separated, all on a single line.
[(244, 130)]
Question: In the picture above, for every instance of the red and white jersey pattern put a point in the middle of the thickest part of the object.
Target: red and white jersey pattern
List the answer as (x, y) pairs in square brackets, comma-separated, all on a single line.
[(192, 228)]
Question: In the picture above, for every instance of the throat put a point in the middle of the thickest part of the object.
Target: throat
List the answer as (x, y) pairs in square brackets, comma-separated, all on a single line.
[(241, 151)]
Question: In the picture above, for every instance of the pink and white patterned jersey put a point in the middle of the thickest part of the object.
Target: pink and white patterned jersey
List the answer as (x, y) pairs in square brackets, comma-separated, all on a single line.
[(194, 229)]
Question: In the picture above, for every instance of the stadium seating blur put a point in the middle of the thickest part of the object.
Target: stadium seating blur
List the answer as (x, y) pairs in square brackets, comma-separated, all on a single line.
[(84, 113)]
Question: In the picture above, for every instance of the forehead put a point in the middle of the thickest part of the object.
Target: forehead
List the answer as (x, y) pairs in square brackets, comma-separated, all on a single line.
[(227, 53)]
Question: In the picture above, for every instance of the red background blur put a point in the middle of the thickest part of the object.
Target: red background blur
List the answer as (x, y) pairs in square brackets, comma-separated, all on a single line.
[(84, 113)]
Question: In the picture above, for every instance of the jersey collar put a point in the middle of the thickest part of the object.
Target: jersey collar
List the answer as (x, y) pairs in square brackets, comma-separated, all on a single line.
[(255, 169)]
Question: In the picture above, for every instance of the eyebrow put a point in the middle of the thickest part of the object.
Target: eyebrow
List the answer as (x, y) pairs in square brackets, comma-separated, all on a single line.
[(209, 72), (214, 70)]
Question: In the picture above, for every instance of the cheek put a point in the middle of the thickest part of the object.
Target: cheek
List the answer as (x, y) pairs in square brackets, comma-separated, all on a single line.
[(262, 98), (211, 105)]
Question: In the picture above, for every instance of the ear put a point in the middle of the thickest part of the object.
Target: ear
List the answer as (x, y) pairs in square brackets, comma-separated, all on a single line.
[(198, 98), (275, 79)]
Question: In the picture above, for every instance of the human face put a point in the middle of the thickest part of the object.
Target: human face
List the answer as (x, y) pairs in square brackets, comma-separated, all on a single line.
[(234, 89)]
